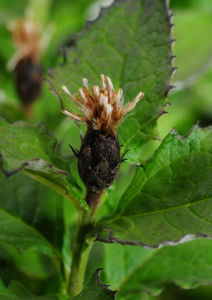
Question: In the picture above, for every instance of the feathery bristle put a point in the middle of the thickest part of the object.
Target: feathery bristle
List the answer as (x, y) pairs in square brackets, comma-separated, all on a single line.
[(102, 108)]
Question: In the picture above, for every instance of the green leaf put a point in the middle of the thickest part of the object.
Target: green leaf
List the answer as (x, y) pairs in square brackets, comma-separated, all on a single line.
[(33, 151), (131, 44), (33, 269), (95, 290), (136, 270), (18, 292), (116, 268), (170, 200), (22, 236), (187, 265), (9, 111), (35, 204)]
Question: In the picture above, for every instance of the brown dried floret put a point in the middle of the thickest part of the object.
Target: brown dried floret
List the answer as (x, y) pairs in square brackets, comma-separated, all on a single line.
[(103, 108)]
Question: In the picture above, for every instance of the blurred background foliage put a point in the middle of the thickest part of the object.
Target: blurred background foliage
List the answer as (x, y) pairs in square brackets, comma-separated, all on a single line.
[(191, 102)]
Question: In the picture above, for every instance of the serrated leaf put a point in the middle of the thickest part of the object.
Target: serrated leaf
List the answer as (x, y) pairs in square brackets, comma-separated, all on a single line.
[(95, 290), (35, 204), (170, 201), (30, 149), (18, 292), (187, 265), (130, 42), (33, 269)]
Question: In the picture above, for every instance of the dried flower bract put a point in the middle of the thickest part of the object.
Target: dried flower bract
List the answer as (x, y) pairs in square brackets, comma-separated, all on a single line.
[(99, 156), (102, 108)]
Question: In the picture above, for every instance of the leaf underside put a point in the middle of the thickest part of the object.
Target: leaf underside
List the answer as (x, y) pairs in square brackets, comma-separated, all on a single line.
[(130, 42), (37, 206), (18, 292), (170, 200)]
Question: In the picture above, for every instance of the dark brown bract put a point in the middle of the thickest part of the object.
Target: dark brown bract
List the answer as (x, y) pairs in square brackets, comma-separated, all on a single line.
[(99, 159), (102, 108)]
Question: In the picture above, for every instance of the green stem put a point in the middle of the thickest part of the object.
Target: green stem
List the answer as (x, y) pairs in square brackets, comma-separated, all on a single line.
[(82, 248)]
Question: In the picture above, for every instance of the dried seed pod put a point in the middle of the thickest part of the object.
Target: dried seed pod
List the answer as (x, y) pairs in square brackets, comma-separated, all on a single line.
[(26, 61), (28, 78), (99, 157)]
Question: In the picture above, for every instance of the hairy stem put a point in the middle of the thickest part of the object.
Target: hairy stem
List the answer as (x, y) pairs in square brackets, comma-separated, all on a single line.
[(82, 245)]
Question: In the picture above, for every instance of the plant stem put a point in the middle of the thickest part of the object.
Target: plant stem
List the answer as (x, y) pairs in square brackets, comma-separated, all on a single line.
[(82, 247)]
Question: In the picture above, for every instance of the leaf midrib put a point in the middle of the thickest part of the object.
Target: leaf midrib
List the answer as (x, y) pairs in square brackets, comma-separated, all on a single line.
[(145, 261), (153, 175), (158, 211), (52, 185), (37, 233)]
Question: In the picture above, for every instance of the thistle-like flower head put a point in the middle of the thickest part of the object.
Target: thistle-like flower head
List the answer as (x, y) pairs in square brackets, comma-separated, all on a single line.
[(103, 108), (27, 38)]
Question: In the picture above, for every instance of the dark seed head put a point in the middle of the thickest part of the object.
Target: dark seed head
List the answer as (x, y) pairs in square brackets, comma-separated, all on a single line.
[(99, 159), (28, 77)]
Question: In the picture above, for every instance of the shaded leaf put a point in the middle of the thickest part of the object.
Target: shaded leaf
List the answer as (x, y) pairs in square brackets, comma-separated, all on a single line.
[(9, 111), (95, 290), (18, 292), (187, 265), (131, 44), (33, 269), (22, 236), (35, 204), (33, 151), (170, 200), (121, 261)]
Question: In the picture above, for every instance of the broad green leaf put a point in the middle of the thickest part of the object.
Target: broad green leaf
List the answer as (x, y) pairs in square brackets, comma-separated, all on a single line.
[(186, 265), (33, 151), (170, 200), (33, 269), (35, 204), (130, 42), (18, 292), (95, 290), (22, 236), (37, 228), (121, 261)]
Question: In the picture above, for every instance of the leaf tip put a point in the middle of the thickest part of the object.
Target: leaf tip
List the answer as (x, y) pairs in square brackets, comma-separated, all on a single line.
[(105, 286)]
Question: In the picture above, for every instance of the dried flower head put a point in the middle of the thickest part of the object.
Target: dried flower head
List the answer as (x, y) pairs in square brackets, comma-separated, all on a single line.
[(27, 38), (99, 156), (26, 61), (103, 108)]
